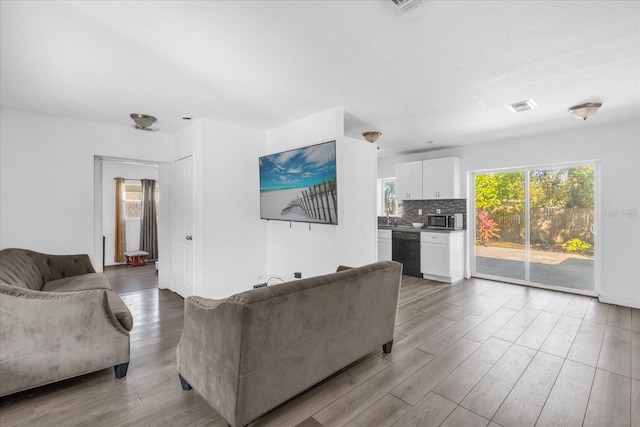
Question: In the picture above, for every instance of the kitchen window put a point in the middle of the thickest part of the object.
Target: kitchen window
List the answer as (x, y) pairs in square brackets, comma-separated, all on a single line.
[(387, 202)]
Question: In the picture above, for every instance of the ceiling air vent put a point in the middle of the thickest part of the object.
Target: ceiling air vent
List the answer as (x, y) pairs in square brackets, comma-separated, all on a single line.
[(519, 107), (407, 4)]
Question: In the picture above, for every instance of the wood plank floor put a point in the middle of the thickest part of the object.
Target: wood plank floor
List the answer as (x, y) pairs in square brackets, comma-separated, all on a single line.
[(124, 279), (473, 353)]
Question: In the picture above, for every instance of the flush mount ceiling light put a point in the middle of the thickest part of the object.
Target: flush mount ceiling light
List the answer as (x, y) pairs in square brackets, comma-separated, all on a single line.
[(521, 106), (372, 136), (582, 111), (143, 121)]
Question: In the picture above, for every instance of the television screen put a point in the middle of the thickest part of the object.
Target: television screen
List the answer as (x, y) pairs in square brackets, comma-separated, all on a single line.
[(300, 185)]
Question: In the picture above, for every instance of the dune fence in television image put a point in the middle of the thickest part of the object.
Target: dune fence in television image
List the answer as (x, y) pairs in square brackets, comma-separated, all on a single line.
[(317, 202)]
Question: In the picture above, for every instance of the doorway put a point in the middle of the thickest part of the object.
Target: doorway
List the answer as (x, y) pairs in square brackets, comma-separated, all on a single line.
[(537, 226), (105, 169)]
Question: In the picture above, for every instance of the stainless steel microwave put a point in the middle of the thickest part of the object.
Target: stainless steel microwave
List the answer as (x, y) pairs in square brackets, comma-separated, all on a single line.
[(447, 221)]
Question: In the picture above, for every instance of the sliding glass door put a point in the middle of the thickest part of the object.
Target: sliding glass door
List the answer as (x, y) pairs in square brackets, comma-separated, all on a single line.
[(536, 226)]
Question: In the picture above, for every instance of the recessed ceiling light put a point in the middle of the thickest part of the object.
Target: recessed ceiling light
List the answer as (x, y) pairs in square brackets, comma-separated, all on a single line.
[(521, 106)]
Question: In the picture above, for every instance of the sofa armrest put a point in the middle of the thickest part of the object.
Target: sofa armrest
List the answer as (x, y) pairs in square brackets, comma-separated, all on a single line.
[(208, 354), (46, 336), (56, 267), (20, 304)]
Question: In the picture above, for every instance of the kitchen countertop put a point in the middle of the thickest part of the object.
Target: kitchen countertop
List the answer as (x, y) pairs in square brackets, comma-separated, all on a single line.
[(412, 228)]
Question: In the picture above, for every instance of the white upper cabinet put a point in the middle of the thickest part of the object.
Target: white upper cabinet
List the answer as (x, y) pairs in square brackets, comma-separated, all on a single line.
[(409, 180), (441, 178)]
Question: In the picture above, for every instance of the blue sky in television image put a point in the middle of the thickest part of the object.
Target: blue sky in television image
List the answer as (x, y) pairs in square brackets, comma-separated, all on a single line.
[(298, 168)]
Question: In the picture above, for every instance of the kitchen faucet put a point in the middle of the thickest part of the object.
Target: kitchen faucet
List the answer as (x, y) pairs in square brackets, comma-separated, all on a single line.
[(391, 221)]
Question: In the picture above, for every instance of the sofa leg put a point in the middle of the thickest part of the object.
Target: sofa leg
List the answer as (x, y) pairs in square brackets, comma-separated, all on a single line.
[(387, 347), (185, 385), (121, 370)]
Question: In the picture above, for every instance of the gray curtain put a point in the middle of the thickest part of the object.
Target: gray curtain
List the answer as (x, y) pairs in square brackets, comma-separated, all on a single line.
[(149, 224)]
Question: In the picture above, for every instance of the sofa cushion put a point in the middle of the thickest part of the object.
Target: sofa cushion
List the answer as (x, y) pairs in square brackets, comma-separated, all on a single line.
[(18, 268), (31, 270), (93, 281), (54, 267), (85, 282)]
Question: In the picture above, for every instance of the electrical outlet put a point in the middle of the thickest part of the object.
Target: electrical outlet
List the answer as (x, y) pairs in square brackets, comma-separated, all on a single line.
[(438, 211), (419, 211)]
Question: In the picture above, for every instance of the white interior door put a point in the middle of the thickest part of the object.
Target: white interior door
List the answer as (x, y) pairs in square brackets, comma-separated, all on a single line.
[(182, 282)]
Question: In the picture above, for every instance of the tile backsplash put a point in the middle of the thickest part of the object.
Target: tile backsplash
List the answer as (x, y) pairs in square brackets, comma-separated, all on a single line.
[(410, 210)]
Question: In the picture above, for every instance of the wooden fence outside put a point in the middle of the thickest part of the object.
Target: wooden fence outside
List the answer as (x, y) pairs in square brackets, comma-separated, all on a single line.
[(548, 225), (317, 202)]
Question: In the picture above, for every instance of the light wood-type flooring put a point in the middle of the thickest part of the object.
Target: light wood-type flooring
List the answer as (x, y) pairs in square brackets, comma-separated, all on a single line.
[(475, 353)]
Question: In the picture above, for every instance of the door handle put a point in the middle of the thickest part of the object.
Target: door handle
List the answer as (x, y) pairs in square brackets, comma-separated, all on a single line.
[(592, 228), (189, 237)]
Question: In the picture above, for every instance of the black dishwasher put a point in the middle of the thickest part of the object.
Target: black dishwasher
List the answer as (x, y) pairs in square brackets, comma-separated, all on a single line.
[(405, 248)]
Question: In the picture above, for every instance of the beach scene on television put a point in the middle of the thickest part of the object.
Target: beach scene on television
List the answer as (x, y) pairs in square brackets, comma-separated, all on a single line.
[(300, 185)]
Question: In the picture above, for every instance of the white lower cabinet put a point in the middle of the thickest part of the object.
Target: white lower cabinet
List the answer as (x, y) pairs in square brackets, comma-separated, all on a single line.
[(442, 256), (384, 245)]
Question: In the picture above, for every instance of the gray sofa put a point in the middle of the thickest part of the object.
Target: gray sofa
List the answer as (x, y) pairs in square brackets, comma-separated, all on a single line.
[(58, 319), (249, 353)]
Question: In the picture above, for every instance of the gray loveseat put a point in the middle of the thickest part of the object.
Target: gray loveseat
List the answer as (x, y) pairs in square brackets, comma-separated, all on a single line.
[(58, 319), (249, 353)]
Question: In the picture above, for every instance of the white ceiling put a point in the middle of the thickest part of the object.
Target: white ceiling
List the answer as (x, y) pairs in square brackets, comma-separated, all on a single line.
[(441, 72)]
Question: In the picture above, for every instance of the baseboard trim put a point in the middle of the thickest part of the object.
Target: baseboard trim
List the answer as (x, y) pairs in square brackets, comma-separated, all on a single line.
[(442, 278), (619, 300)]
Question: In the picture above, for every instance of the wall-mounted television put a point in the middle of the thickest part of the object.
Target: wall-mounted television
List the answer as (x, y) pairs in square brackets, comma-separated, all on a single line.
[(300, 185)]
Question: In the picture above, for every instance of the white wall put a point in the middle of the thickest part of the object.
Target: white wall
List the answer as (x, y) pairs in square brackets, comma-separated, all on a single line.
[(359, 222), (165, 225), (617, 148), (234, 235), (47, 182), (319, 250), (110, 170)]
